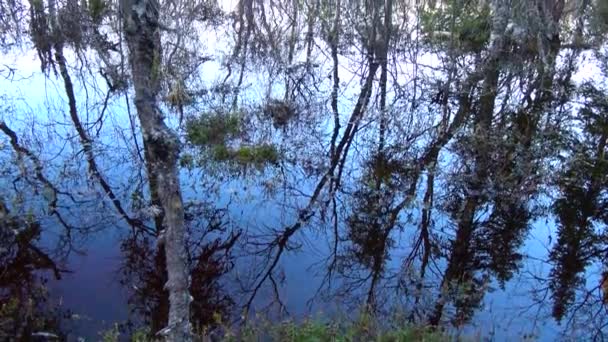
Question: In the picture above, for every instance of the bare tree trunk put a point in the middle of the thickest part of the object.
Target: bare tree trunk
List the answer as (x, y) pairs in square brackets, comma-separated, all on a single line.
[(141, 28)]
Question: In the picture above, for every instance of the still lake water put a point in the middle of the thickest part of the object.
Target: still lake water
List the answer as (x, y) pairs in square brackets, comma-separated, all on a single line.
[(259, 203), (95, 296), (94, 293)]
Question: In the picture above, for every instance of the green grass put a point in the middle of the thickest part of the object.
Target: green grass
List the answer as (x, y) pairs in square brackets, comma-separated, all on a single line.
[(253, 154), (260, 154), (215, 133), (363, 329), (213, 128), (312, 331)]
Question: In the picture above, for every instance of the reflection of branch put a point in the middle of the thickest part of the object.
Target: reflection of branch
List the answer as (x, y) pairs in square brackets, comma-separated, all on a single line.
[(333, 256), (426, 161), (47, 260), (425, 240), (382, 52), (225, 246), (586, 301), (133, 129), (23, 239), (21, 150), (275, 289), (87, 143), (460, 118), (241, 48), (280, 242), (336, 77), (102, 113)]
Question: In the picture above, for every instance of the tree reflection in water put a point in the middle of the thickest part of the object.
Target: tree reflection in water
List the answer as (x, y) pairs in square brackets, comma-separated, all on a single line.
[(143, 271), (414, 150), (26, 313)]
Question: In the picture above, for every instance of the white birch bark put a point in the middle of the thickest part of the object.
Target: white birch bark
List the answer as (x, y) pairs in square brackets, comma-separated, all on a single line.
[(141, 28)]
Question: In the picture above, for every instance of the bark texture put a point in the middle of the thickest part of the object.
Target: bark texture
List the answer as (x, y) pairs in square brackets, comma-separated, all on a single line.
[(141, 28)]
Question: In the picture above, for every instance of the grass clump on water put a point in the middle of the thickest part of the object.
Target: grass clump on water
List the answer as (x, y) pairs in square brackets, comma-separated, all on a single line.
[(213, 128), (255, 154), (216, 133)]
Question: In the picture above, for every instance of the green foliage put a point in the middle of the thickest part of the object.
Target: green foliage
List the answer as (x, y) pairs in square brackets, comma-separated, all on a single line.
[(221, 153), (111, 335), (264, 153), (97, 9), (215, 133), (309, 331), (362, 329), (365, 328), (213, 129), (467, 23), (139, 336), (255, 154)]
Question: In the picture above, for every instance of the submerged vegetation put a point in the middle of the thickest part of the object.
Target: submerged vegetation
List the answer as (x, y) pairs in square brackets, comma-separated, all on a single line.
[(216, 135)]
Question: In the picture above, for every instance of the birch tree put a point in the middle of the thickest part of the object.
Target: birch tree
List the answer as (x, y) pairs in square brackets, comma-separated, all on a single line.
[(141, 22)]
